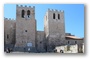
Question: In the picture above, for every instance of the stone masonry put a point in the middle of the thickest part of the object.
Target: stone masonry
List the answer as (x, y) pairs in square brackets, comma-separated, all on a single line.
[(25, 26), (9, 31), (22, 31), (54, 28)]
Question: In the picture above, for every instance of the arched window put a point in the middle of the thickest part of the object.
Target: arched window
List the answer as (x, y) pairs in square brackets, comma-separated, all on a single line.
[(28, 13), (58, 16), (53, 15), (23, 13)]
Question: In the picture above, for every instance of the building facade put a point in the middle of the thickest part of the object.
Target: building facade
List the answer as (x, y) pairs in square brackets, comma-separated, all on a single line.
[(54, 28), (22, 32), (25, 26)]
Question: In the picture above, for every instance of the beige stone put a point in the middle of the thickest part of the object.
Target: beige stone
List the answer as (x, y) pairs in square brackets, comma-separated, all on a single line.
[(25, 27), (22, 31), (9, 31)]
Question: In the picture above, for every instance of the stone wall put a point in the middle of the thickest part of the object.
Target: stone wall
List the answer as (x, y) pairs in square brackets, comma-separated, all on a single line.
[(25, 27), (9, 31), (74, 41), (69, 48), (54, 28), (22, 31), (40, 41)]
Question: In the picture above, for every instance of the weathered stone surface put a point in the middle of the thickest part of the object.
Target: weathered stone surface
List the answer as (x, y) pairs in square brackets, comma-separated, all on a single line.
[(54, 28), (9, 31), (25, 27), (22, 31), (40, 41)]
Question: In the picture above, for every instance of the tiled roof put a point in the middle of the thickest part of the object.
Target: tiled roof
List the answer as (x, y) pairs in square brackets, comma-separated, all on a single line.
[(72, 37)]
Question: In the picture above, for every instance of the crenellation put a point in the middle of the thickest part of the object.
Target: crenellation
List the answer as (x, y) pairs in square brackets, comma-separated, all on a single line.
[(52, 10), (62, 10), (29, 6), (34, 7), (25, 6), (56, 10), (29, 27), (17, 5), (24, 31), (49, 9), (59, 10), (9, 18), (21, 5), (5, 18)]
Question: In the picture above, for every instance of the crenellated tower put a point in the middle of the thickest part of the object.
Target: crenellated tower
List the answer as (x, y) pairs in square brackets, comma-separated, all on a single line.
[(54, 28), (25, 26)]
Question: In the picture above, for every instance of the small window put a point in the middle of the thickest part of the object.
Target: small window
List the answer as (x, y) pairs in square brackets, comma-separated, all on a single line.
[(53, 15), (75, 42), (7, 36), (28, 13), (58, 16), (68, 42), (23, 14), (25, 30)]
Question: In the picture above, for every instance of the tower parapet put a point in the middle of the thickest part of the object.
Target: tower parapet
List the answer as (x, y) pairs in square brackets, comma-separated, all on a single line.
[(54, 28), (9, 19), (21, 6), (55, 10), (25, 19), (25, 12)]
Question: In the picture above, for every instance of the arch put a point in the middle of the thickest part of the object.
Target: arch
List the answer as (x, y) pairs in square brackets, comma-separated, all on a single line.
[(28, 13), (23, 13), (53, 15), (58, 16)]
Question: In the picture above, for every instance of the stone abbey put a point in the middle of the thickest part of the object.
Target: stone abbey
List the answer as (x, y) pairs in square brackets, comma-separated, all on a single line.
[(21, 34)]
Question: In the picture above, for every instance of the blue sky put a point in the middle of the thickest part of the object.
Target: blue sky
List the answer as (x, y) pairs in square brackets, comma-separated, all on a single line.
[(74, 15)]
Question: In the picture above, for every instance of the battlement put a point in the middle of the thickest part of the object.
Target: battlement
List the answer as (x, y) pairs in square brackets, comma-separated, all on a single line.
[(21, 6), (9, 19), (55, 10)]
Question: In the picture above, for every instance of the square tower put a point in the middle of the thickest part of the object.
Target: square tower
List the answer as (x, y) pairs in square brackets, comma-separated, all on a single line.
[(25, 26), (54, 28)]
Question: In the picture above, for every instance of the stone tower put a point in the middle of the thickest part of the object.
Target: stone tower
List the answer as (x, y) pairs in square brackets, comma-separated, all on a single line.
[(25, 26), (9, 32), (54, 28)]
